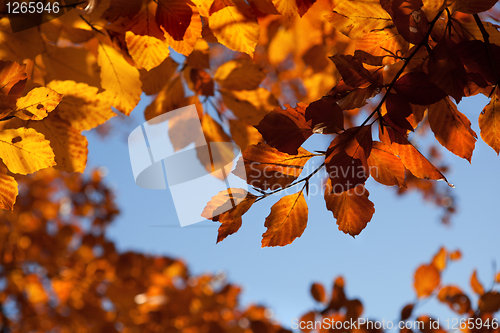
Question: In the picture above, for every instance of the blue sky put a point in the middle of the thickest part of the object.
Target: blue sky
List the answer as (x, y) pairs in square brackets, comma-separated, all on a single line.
[(378, 265)]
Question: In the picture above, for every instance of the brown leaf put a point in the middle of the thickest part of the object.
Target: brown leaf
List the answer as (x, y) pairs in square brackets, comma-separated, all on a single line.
[(352, 209), (385, 167), (268, 168), (476, 284), (407, 311), (244, 135), (489, 123), (346, 158), (318, 292), (308, 317), (287, 220), (286, 130), (12, 75), (489, 302), (202, 82), (473, 6), (411, 22), (455, 298), (174, 16), (352, 71), (452, 128), (227, 207), (326, 116), (398, 109), (418, 89), (426, 279)]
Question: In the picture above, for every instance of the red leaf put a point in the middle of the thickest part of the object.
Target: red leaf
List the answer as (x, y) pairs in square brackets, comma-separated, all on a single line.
[(352, 209), (346, 158), (349, 98), (452, 128), (398, 109), (285, 130), (418, 89), (287, 221), (174, 16), (326, 116)]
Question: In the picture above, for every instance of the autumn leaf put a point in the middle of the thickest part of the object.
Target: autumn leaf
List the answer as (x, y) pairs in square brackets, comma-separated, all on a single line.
[(452, 128), (174, 16), (244, 135), (346, 159), (349, 98), (170, 97), (289, 8), (352, 71), (8, 189), (455, 298), (440, 259), (418, 89), (285, 130), (412, 159), (154, 79), (473, 6), (236, 27), (250, 105), (201, 82), (326, 116), (318, 292), (489, 302), (186, 45), (266, 168), (379, 47), (287, 220), (385, 167), (12, 74), (410, 21), (398, 109), (24, 150), (355, 19), (229, 75), (489, 123), (426, 279), (476, 284), (227, 207), (81, 105), (37, 104), (352, 208), (119, 78)]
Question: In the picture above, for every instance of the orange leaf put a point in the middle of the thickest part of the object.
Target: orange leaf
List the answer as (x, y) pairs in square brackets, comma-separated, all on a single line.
[(426, 279), (289, 8), (308, 317), (8, 189), (352, 209), (121, 8), (318, 292), (385, 167), (229, 75), (489, 123), (412, 159), (475, 284), (452, 128), (174, 16), (12, 74), (497, 279), (418, 89), (244, 135), (287, 221), (440, 259), (455, 255), (352, 71), (326, 116), (227, 207), (346, 158), (268, 168), (455, 298), (185, 45), (202, 83), (286, 130), (490, 302)]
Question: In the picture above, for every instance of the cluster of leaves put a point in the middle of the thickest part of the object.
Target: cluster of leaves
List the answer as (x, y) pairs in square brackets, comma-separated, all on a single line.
[(427, 283), (59, 271), (416, 57)]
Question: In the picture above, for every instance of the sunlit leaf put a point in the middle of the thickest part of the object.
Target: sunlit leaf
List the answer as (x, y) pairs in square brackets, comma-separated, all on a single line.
[(8, 189), (385, 167), (230, 74), (37, 103), (426, 280), (489, 123), (476, 284)]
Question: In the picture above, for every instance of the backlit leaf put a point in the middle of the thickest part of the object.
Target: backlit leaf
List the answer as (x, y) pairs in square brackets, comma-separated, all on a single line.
[(267, 168), (289, 8), (122, 8), (418, 89), (243, 134), (81, 105), (489, 123), (8, 189), (11, 74), (352, 71), (440, 259), (24, 150), (154, 79), (174, 16), (452, 128), (426, 279), (37, 103), (287, 220), (473, 6), (250, 105), (385, 167), (357, 18), (236, 27), (286, 130), (352, 208), (318, 292), (119, 78), (475, 284), (490, 302), (326, 116), (227, 207), (455, 298), (230, 74), (411, 22)]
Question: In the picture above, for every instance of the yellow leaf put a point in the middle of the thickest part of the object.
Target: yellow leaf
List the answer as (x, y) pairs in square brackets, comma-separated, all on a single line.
[(145, 41), (250, 105), (8, 189), (71, 63), (119, 78), (489, 123), (230, 74), (81, 105), (203, 6), (25, 44), (236, 28), (24, 150), (287, 8), (287, 221), (357, 18), (37, 104), (193, 32), (69, 145)]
